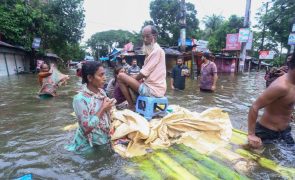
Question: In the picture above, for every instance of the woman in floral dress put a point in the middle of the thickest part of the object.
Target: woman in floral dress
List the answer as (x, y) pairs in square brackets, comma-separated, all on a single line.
[(92, 107)]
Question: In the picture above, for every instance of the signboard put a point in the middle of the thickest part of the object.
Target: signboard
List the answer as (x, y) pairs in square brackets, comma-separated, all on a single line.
[(232, 42), (188, 42), (36, 43), (244, 34), (293, 28), (182, 37), (202, 43), (291, 39), (202, 46), (266, 54), (249, 42)]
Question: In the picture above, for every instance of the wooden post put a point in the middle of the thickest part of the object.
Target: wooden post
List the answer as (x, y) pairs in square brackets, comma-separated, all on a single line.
[(249, 65), (4, 54), (192, 66), (15, 64)]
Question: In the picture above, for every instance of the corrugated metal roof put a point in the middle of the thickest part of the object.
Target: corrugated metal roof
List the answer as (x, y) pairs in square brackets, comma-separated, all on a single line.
[(6, 44), (170, 51), (52, 55)]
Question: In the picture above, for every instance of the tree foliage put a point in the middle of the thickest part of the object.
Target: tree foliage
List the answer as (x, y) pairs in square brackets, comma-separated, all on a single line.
[(278, 20), (101, 42), (58, 23), (217, 28), (166, 14), (212, 23)]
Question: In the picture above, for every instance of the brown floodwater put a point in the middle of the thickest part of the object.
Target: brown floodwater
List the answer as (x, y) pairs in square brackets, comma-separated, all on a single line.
[(32, 139)]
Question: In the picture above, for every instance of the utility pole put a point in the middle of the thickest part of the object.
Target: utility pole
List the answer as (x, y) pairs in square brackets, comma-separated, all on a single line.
[(243, 47), (263, 30), (182, 23), (261, 48)]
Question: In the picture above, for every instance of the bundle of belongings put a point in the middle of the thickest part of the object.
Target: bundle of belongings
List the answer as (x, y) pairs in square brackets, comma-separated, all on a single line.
[(274, 73), (132, 135)]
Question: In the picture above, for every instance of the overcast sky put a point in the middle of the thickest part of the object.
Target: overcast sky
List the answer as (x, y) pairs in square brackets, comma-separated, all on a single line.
[(103, 15)]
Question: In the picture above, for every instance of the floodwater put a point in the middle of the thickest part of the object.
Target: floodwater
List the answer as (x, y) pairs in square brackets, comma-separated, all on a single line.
[(32, 139)]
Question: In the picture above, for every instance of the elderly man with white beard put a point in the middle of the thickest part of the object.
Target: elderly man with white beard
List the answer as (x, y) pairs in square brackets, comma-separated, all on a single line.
[(153, 72)]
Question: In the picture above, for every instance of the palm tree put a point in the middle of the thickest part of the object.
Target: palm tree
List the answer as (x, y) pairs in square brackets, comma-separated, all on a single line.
[(212, 23)]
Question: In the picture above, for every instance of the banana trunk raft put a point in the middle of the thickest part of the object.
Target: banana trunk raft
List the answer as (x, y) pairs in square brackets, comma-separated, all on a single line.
[(186, 145)]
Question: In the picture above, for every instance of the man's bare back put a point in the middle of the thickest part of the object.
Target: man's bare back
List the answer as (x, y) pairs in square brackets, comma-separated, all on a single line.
[(277, 114), (278, 103)]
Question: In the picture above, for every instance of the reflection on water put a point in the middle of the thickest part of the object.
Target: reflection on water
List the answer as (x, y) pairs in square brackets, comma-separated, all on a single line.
[(32, 139)]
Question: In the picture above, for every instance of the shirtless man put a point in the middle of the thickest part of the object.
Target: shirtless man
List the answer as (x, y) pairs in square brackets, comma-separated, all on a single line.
[(278, 102)]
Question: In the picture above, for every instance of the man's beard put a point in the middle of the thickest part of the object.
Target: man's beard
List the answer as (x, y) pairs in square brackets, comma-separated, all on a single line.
[(147, 49)]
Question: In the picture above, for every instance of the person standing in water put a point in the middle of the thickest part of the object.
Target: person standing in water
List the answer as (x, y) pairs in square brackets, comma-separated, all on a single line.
[(50, 80), (92, 108), (208, 74), (278, 102), (179, 73)]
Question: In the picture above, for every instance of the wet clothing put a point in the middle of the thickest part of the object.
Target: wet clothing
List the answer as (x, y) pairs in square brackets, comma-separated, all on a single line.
[(118, 95), (143, 90), (50, 81), (42, 75), (92, 130), (207, 75), (179, 77), (134, 70), (268, 135), (206, 90), (48, 86), (113, 91), (154, 71)]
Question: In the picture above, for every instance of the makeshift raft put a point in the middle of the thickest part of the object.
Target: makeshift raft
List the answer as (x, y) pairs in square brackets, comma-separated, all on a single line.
[(226, 161), (182, 162)]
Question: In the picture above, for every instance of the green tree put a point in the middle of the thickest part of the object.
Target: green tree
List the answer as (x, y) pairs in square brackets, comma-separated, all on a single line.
[(65, 25), (20, 22), (212, 23), (165, 15), (58, 23), (74, 51), (278, 20), (102, 41), (217, 38)]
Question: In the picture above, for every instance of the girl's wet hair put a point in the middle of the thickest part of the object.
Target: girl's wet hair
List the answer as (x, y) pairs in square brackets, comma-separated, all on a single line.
[(116, 71), (89, 68)]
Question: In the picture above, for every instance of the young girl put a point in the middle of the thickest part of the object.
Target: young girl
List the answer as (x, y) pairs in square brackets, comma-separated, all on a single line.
[(113, 89), (92, 107)]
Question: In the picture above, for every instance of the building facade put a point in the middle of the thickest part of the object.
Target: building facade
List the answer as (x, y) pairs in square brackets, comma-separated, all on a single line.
[(13, 60)]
